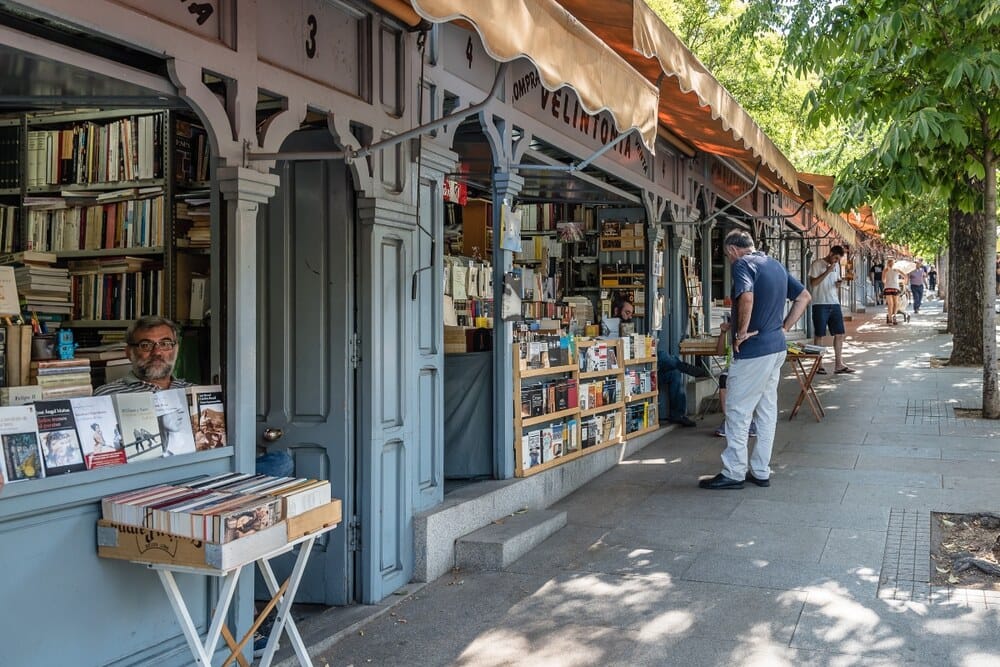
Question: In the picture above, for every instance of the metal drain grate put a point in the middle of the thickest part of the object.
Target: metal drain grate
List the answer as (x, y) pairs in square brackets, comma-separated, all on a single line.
[(930, 411)]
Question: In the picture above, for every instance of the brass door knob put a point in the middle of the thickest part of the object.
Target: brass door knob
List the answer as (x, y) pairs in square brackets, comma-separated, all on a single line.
[(272, 434)]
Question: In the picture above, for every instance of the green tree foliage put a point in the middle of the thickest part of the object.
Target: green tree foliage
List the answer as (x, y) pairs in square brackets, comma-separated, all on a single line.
[(920, 223), (748, 64), (921, 79)]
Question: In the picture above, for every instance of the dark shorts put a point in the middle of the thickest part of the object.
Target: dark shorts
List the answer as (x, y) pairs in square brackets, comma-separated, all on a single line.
[(890, 291), (828, 316)]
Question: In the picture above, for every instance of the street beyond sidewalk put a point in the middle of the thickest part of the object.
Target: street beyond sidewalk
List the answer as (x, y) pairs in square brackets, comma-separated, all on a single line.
[(828, 566)]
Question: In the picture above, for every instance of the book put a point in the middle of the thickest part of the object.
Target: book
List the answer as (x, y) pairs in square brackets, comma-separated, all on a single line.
[(139, 428), (18, 354), (22, 454), (25, 395), (57, 433), (97, 428), (208, 416), (176, 435), (9, 304)]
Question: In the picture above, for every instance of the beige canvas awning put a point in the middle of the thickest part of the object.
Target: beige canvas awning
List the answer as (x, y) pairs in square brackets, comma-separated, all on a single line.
[(563, 50), (694, 106), (832, 220)]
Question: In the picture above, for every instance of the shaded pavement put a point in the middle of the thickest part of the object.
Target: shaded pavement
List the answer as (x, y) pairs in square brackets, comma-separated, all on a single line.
[(828, 566)]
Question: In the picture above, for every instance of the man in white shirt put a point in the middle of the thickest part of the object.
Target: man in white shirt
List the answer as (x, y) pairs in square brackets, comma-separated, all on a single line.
[(824, 285)]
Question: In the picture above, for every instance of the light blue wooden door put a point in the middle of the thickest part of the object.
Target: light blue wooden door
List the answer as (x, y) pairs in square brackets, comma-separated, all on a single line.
[(306, 375)]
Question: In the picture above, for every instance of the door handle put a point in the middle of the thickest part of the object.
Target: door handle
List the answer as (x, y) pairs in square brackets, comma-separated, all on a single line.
[(272, 434)]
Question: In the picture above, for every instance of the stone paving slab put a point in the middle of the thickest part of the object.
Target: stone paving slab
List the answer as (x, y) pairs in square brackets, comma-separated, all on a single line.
[(830, 459), (854, 548), (952, 467), (784, 574), (830, 515)]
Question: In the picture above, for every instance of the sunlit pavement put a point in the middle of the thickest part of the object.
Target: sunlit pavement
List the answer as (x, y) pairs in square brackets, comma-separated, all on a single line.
[(828, 566)]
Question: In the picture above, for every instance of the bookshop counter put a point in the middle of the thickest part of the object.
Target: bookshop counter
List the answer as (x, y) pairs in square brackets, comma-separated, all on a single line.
[(468, 415)]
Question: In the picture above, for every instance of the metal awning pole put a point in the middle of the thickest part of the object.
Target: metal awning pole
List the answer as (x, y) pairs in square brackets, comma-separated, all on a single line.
[(389, 141), (576, 166)]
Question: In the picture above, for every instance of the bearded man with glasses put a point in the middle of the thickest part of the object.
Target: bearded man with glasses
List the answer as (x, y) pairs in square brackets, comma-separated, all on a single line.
[(151, 346)]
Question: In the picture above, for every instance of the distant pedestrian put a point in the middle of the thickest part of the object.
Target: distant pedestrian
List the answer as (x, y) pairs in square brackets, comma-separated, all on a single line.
[(760, 287), (932, 279), (824, 286), (878, 266), (891, 279), (918, 278)]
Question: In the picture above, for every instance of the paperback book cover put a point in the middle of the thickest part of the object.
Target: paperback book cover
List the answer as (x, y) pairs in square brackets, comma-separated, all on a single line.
[(139, 428), (176, 436), (208, 416), (97, 427), (22, 455), (57, 434)]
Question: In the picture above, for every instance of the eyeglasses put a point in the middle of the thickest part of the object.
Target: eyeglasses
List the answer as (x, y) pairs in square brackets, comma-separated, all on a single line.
[(148, 345)]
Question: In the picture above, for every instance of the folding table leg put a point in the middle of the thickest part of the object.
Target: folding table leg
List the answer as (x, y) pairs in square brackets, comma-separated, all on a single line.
[(284, 620), (202, 652)]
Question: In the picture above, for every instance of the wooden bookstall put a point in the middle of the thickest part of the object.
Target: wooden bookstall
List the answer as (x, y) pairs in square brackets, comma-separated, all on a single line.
[(599, 393)]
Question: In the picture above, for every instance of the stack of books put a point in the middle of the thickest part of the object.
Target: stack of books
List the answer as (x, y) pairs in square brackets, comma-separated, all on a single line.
[(217, 509), (193, 217), (62, 378), (43, 289)]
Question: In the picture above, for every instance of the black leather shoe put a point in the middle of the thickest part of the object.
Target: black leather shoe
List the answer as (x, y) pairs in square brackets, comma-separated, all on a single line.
[(720, 481), (684, 421), (757, 481), (692, 370)]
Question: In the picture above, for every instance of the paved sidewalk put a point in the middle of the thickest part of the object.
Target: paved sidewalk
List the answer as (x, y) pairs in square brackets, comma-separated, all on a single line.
[(828, 566)]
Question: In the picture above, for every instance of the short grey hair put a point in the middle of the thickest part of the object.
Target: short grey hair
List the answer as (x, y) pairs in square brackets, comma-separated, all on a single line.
[(150, 322), (739, 238)]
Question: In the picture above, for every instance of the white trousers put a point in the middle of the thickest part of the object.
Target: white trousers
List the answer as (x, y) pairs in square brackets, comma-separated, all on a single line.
[(752, 387)]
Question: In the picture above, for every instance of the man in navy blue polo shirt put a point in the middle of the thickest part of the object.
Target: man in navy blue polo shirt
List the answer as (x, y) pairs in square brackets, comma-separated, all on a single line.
[(761, 285)]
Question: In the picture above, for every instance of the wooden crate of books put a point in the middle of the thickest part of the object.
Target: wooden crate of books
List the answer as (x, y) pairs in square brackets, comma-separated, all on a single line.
[(145, 545), (214, 522)]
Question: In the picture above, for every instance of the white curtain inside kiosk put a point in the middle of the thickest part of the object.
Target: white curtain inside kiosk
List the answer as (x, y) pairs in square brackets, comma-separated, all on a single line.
[(563, 50)]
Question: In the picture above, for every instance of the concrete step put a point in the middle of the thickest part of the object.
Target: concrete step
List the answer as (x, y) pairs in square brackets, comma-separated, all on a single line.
[(494, 547)]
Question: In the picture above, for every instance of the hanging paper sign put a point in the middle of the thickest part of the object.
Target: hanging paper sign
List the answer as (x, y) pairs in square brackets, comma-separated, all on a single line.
[(455, 192), (510, 228)]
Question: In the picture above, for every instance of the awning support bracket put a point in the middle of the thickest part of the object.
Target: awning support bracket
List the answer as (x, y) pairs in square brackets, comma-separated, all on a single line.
[(575, 166), (388, 142), (709, 219)]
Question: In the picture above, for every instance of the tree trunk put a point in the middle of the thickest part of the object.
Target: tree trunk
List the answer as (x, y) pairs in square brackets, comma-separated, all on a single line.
[(965, 290), (991, 394)]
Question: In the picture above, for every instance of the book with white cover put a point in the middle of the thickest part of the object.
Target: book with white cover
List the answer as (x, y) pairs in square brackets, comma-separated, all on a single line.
[(97, 427), (176, 436)]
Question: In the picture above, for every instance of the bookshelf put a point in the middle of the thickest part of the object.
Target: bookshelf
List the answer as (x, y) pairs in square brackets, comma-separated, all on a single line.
[(120, 198), (641, 388), (692, 288), (622, 246), (593, 416)]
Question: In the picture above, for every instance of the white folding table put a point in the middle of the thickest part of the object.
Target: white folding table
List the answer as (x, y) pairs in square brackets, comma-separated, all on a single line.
[(282, 595)]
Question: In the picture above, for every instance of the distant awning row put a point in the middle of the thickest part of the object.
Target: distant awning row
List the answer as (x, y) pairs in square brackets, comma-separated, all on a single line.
[(614, 54)]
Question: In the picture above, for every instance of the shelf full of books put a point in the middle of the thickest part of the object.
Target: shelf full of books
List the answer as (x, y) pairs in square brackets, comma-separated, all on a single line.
[(571, 397), (46, 436), (641, 385), (112, 195)]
